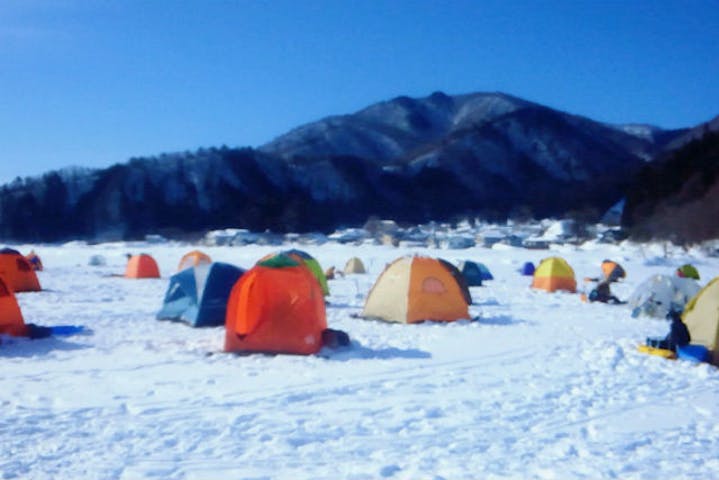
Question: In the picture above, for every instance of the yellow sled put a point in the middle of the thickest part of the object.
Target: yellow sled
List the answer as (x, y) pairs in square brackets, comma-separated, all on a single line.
[(659, 352)]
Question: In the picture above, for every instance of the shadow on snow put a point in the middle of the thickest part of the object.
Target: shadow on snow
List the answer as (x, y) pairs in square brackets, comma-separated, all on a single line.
[(24, 347), (356, 351)]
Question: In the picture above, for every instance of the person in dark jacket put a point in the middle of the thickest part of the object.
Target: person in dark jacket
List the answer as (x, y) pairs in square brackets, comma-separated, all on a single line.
[(678, 335), (602, 293)]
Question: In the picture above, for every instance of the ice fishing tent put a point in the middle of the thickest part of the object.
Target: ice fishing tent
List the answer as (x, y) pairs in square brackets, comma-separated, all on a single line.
[(192, 259), (354, 265), (17, 272), (486, 274), (142, 266), (97, 261), (474, 272), (554, 273), (277, 306), (414, 289), (612, 271), (688, 271), (527, 269), (311, 263), (11, 321), (34, 260), (701, 317), (658, 294), (198, 295)]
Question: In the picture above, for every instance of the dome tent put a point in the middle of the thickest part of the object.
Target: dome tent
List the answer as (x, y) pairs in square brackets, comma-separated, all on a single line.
[(554, 273), (304, 258), (701, 317), (192, 259), (659, 294), (474, 272), (142, 266), (354, 265), (312, 264), (527, 269), (198, 295), (97, 261), (688, 271), (276, 307), (17, 271), (414, 289), (11, 320), (612, 271)]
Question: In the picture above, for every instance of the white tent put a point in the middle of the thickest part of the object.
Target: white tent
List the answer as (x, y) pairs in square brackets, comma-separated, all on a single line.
[(659, 294)]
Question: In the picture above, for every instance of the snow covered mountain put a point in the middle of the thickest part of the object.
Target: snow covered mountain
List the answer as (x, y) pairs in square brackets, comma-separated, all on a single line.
[(695, 133), (392, 130), (432, 158), (495, 152), (405, 129), (172, 192)]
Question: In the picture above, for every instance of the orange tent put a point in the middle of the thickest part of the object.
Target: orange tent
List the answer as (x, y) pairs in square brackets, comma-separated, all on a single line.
[(193, 259), (34, 260), (414, 289), (142, 266), (612, 271), (554, 273), (277, 307), (18, 272), (11, 321)]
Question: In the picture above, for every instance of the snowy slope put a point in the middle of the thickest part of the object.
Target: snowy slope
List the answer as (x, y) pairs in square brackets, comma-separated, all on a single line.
[(539, 386)]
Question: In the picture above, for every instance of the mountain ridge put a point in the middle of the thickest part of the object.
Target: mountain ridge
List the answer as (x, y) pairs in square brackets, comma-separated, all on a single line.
[(411, 159)]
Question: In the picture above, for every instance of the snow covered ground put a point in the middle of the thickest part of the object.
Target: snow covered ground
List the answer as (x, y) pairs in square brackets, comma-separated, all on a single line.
[(539, 386)]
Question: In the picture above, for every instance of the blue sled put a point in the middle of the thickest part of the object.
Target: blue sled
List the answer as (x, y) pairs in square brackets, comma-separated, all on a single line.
[(63, 330), (693, 353)]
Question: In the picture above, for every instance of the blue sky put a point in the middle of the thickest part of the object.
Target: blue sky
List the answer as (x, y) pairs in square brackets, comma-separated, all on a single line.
[(94, 83)]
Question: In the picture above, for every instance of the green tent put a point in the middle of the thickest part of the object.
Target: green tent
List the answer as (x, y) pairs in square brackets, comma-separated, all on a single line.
[(312, 264), (688, 271)]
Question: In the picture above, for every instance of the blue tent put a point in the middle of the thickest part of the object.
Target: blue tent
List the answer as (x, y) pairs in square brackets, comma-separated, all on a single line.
[(527, 269), (198, 295), (475, 273), (486, 274)]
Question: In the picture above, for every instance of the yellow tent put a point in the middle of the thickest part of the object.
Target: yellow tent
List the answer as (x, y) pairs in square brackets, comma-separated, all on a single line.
[(701, 315), (554, 273)]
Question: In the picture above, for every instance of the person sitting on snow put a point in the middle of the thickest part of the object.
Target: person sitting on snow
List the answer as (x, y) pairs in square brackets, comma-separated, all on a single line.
[(678, 335), (602, 293), (330, 273), (34, 260)]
